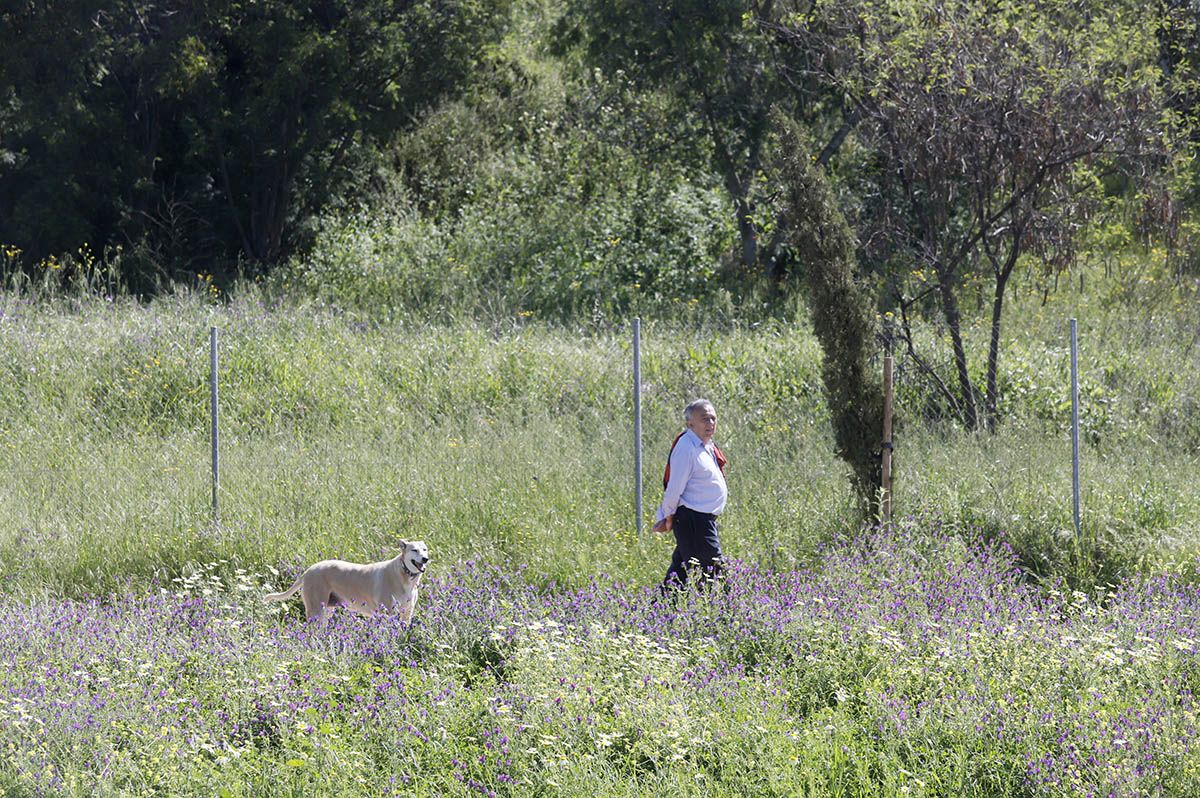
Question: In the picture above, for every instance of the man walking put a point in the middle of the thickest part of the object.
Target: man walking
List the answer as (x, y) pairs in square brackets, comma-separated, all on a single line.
[(694, 495)]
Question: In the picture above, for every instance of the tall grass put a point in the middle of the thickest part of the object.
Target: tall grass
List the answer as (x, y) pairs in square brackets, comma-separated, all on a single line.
[(980, 648), (342, 436)]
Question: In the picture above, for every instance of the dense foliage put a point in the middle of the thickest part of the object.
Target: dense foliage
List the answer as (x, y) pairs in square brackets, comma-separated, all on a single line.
[(991, 128), (188, 134), (725, 80), (585, 161), (515, 146)]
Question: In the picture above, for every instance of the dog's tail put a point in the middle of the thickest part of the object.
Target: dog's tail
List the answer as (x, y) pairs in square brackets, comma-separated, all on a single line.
[(285, 595)]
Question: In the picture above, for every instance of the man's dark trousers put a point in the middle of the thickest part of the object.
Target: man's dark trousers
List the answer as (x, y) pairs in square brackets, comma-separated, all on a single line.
[(695, 538)]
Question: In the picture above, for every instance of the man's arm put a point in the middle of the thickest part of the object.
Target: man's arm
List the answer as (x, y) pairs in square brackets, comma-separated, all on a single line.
[(682, 460)]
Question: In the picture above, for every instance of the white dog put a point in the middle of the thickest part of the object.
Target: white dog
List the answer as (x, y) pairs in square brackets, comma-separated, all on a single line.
[(390, 584)]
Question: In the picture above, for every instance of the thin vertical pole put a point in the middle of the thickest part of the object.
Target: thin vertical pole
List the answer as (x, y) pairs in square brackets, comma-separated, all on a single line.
[(637, 420), (212, 384), (1075, 424), (886, 504)]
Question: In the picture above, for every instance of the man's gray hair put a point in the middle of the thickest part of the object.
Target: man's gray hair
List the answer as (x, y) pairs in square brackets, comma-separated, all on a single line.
[(697, 404)]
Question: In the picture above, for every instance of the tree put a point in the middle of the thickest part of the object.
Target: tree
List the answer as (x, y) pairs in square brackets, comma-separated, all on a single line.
[(219, 125), (991, 123), (745, 86), (842, 312), (725, 76)]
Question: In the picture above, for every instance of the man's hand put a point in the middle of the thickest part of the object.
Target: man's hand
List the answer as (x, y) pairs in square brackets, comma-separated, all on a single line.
[(665, 525)]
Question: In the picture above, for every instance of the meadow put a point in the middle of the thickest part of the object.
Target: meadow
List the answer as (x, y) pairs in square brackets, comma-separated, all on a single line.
[(979, 648)]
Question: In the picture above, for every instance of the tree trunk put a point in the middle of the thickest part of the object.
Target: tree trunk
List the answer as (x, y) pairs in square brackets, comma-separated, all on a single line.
[(749, 235), (1002, 271), (991, 400), (970, 414), (230, 198)]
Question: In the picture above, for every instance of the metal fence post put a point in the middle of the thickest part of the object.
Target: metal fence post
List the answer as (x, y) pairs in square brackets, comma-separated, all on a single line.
[(212, 384), (1075, 424), (637, 421), (885, 506)]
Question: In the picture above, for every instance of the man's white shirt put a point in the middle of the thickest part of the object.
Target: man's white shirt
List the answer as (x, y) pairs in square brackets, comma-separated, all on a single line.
[(696, 481)]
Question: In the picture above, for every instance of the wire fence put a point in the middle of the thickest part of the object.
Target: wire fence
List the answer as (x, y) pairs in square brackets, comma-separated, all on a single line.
[(150, 442), (165, 453)]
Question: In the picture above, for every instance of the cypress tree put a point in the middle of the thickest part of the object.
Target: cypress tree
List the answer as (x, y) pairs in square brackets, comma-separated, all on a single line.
[(824, 247)]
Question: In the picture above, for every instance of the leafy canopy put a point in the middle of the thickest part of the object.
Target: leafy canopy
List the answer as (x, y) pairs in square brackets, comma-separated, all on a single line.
[(193, 131)]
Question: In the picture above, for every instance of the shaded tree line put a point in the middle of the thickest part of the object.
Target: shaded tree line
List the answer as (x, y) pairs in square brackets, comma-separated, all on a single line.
[(199, 133)]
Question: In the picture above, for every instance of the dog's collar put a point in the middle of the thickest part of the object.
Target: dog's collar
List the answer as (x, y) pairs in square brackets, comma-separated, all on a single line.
[(404, 565)]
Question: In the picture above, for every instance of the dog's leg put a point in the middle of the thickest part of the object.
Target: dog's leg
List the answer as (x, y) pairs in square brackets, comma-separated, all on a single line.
[(316, 597), (406, 609)]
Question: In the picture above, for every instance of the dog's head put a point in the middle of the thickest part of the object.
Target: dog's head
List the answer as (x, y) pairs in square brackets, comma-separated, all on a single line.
[(415, 555)]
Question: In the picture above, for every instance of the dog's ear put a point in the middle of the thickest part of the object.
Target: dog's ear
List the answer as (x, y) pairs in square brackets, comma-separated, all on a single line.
[(403, 545)]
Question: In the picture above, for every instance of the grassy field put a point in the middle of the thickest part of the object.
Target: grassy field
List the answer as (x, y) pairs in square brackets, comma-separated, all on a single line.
[(982, 649)]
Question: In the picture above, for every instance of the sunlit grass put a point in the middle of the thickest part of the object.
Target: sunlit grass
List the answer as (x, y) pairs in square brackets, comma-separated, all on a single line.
[(340, 438), (951, 659)]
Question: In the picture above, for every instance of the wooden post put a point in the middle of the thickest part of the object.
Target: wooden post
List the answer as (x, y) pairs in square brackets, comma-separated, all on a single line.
[(885, 508)]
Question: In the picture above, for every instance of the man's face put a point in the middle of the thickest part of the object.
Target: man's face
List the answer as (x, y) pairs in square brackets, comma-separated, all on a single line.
[(703, 422)]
